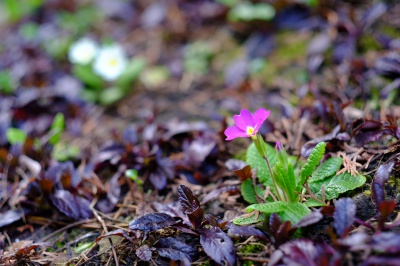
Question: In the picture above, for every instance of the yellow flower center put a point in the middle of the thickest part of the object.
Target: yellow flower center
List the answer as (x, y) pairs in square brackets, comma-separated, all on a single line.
[(250, 131), (113, 62)]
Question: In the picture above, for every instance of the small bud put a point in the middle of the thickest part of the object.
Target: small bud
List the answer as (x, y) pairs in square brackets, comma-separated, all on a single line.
[(278, 146), (281, 153)]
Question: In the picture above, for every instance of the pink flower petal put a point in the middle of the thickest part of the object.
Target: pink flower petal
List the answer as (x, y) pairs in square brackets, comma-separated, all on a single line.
[(260, 116), (234, 132), (244, 120)]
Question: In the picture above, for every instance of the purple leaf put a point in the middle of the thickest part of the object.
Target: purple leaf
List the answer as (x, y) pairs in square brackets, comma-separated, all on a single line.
[(188, 201), (380, 178), (10, 216), (218, 246), (144, 253), (118, 232), (190, 205), (236, 73), (71, 205), (259, 45), (388, 242), (309, 219), (304, 252), (152, 222), (395, 84), (345, 210), (245, 231), (373, 14), (234, 164), (153, 15), (174, 249), (389, 65)]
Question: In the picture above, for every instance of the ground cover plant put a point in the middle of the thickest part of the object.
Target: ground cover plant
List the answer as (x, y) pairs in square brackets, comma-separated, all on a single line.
[(226, 132)]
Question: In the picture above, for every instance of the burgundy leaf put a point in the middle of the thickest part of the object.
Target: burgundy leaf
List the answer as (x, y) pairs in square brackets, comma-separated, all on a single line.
[(244, 173), (144, 253), (284, 233), (309, 219), (245, 231), (345, 210), (380, 178), (190, 205), (174, 249), (274, 223), (118, 232), (152, 222), (218, 246), (27, 249), (386, 208), (71, 205)]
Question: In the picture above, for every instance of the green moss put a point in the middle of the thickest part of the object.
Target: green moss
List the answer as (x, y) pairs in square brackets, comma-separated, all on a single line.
[(250, 248)]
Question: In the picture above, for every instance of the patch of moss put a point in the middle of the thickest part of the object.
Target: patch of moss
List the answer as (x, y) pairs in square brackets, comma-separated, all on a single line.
[(250, 248)]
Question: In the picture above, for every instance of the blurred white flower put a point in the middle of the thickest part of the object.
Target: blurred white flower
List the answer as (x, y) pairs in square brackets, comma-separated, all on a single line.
[(83, 51), (110, 62)]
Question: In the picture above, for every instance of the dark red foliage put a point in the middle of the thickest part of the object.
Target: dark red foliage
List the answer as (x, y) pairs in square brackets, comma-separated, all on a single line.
[(190, 206)]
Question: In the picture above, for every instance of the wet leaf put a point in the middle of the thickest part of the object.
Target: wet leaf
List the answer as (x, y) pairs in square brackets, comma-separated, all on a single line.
[(10, 216), (152, 222), (71, 205), (190, 205), (345, 211), (144, 253), (380, 178), (218, 246), (174, 249), (245, 231)]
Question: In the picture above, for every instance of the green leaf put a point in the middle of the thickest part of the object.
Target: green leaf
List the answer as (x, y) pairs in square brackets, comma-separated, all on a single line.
[(248, 191), (336, 185), (249, 220), (87, 76), (269, 207), (286, 181), (294, 211), (311, 163), (254, 159), (131, 72), (7, 84), (249, 11), (15, 135), (56, 129), (327, 169), (111, 95)]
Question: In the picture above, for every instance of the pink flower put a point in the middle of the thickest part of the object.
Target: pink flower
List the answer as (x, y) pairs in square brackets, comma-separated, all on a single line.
[(247, 125)]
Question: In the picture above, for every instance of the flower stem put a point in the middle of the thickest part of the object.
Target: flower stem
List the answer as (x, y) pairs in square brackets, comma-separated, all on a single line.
[(261, 148)]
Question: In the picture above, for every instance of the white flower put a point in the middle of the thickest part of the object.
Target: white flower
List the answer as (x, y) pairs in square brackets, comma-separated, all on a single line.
[(83, 51), (110, 62)]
